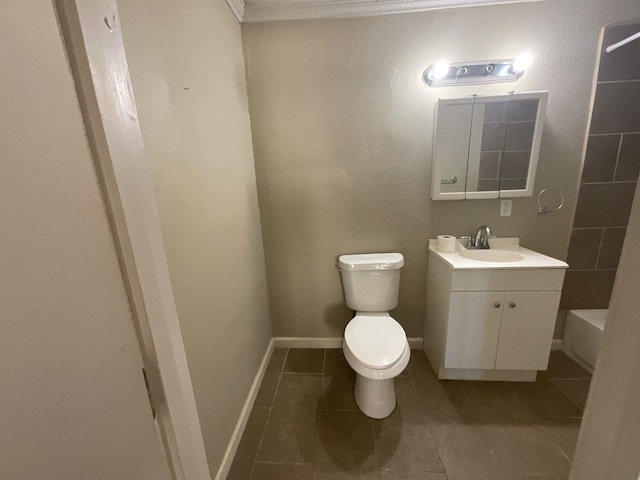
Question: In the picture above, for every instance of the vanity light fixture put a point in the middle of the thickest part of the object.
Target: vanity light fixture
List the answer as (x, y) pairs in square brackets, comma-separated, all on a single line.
[(443, 74)]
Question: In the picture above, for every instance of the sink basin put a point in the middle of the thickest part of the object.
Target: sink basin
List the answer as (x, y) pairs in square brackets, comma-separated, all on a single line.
[(492, 255)]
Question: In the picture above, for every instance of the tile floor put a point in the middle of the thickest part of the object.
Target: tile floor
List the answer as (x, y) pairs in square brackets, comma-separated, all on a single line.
[(305, 424)]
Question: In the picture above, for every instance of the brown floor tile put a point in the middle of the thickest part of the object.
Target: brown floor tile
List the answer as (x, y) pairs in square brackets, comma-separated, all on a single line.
[(346, 444), (403, 475), (408, 448), (338, 391), (270, 471), (441, 401), (288, 443), (403, 440), (334, 362), (271, 377), (297, 400), (526, 452), (545, 400), (470, 430), (338, 383), (346, 476), (419, 365), (564, 434), (463, 451), (495, 403), (249, 444), (499, 452), (304, 360), (291, 432), (577, 389), (561, 366), (408, 408)]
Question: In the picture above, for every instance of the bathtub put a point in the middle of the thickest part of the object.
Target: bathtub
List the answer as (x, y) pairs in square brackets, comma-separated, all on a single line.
[(583, 336)]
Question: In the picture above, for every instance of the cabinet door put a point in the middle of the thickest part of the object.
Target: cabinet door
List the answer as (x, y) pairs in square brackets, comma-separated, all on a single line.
[(526, 333), (473, 329)]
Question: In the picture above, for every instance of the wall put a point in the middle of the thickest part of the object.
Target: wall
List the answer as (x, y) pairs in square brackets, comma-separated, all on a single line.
[(188, 78), (609, 177), (70, 367), (610, 433), (342, 126)]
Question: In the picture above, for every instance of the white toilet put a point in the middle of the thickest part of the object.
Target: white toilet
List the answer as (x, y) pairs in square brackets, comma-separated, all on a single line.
[(375, 345)]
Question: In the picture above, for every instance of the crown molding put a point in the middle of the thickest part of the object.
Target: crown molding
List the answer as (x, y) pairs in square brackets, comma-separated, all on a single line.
[(301, 10), (238, 8)]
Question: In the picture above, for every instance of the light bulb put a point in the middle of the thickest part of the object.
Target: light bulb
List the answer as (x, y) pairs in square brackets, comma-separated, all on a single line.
[(522, 62), (440, 70)]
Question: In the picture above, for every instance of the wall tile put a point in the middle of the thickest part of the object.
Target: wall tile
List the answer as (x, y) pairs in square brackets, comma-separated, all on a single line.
[(522, 110), (489, 164), (604, 205), (587, 289), (515, 165), (611, 156), (629, 160), (493, 136), (611, 247), (624, 63), (519, 136), (600, 159), (616, 108), (583, 248)]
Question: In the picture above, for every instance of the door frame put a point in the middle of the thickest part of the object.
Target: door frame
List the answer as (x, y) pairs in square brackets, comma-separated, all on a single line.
[(95, 50)]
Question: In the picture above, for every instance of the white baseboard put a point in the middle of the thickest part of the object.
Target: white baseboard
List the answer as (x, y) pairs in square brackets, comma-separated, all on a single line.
[(227, 460), (556, 344), (307, 342), (327, 342)]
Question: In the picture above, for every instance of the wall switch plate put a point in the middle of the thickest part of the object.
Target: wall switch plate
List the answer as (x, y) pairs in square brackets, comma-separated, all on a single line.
[(505, 208)]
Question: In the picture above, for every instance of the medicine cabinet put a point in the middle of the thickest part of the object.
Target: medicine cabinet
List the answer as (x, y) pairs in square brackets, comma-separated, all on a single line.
[(487, 147)]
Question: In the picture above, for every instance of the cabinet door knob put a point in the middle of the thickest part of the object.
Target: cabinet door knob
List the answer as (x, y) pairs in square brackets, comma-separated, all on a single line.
[(512, 304), (496, 304)]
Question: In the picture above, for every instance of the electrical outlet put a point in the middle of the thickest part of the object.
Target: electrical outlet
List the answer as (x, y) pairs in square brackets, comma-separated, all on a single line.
[(505, 208)]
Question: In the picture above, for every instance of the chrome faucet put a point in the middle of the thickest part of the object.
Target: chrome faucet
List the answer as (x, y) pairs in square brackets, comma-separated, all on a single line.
[(482, 237)]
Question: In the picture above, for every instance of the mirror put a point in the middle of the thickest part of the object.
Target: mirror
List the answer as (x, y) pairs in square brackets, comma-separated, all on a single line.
[(487, 147)]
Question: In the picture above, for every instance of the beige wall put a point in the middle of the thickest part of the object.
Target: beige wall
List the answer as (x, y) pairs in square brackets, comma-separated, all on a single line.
[(342, 127), (188, 79), (610, 434), (70, 368)]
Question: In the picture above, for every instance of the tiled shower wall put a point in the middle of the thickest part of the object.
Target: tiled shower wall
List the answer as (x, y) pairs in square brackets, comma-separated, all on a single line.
[(609, 177)]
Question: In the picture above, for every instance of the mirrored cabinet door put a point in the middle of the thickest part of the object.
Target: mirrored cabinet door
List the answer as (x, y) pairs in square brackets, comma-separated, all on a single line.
[(451, 142), (502, 136)]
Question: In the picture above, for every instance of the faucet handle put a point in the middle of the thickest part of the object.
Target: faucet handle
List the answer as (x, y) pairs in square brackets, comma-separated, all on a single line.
[(467, 240)]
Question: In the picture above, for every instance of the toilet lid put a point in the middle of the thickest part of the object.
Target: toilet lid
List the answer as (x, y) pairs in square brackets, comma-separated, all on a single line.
[(376, 341)]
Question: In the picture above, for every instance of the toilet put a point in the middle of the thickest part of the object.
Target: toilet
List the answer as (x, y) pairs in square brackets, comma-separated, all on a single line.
[(375, 345)]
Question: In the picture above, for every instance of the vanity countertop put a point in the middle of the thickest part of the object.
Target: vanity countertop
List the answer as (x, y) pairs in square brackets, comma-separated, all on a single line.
[(504, 253)]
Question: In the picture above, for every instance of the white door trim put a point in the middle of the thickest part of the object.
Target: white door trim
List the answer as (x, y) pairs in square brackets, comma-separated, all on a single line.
[(91, 30)]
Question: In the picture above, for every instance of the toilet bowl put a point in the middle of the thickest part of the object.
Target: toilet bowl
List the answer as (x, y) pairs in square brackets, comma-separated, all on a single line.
[(375, 344), (376, 347)]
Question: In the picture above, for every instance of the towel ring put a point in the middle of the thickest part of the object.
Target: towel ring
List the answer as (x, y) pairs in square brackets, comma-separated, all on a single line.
[(543, 209)]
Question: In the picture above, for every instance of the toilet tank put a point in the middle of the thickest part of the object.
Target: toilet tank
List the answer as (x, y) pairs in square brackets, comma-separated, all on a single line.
[(371, 281)]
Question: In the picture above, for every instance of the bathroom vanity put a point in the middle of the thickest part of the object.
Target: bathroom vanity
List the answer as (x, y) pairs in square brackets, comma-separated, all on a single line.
[(491, 313)]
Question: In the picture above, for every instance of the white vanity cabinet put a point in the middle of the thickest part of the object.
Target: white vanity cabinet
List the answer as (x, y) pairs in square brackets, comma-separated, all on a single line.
[(491, 323)]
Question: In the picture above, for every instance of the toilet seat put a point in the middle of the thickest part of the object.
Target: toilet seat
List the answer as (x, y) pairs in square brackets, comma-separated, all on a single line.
[(377, 341)]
